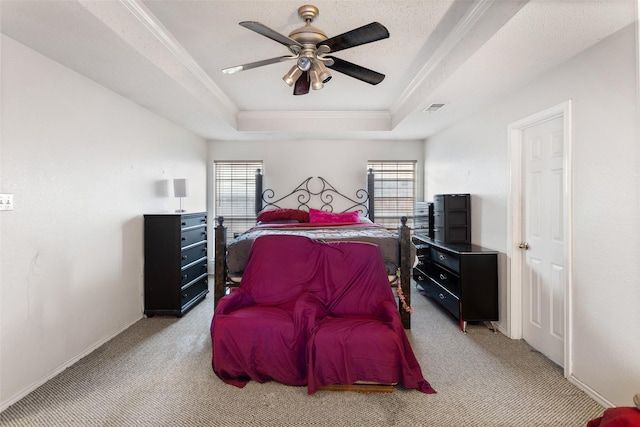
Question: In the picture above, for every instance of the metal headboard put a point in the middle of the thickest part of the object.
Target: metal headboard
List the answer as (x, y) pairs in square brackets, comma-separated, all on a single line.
[(324, 197)]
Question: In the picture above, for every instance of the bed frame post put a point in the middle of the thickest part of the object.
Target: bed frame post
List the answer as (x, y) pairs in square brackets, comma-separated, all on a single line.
[(220, 273), (404, 234), (370, 191), (258, 191)]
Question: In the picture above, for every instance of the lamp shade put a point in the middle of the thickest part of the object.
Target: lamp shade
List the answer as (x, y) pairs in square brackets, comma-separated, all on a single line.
[(180, 187)]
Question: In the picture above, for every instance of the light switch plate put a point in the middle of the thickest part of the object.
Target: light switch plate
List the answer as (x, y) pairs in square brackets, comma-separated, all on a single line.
[(6, 202)]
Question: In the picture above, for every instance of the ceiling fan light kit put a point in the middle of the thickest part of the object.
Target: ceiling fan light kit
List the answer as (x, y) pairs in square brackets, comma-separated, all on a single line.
[(310, 47), (292, 75), (316, 83)]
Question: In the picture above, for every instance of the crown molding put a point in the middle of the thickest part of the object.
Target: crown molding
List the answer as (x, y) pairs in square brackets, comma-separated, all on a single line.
[(462, 28), (480, 22), (184, 60)]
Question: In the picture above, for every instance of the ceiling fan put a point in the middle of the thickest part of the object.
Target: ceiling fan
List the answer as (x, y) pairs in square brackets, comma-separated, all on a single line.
[(310, 47)]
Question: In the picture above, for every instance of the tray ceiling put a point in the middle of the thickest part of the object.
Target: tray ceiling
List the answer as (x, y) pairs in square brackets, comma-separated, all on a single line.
[(166, 55)]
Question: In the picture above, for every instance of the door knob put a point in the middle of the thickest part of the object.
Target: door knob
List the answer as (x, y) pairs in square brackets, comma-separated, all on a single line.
[(524, 245)]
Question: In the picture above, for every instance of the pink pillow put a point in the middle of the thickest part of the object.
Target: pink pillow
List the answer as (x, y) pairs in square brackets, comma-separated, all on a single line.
[(316, 215), (279, 214)]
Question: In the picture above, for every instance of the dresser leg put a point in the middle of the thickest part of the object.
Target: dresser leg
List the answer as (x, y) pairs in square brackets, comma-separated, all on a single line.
[(492, 327), (463, 326)]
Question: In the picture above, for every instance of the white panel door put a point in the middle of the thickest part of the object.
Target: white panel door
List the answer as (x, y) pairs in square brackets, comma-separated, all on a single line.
[(544, 274)]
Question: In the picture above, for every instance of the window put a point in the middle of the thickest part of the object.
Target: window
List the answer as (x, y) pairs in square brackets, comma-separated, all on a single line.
[(394, 191), (235, 194)]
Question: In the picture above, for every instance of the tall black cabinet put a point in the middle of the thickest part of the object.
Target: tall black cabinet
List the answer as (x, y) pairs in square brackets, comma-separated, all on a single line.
[(175, 262), (452, 218)]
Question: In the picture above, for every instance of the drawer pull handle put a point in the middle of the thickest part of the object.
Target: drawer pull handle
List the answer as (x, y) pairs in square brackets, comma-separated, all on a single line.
[(420, 262), (442, 257), (184, 257), (443, 276), (184, 277), (185, 295), (442, 296), (420, 278), (184, 238), (184, 223)]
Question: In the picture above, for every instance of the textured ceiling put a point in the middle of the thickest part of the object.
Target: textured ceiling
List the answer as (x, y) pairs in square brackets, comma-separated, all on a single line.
[(167, 56)]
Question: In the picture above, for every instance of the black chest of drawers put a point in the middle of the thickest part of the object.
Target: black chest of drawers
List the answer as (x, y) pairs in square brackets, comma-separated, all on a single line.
[(452, 218), (462, 277), (175, 262)]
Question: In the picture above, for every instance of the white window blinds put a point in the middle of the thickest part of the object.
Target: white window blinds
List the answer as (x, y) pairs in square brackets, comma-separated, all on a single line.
[(394, 191), (235, 193)]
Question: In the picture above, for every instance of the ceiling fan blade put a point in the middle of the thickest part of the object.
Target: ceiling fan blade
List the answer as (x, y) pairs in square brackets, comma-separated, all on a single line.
[(256, 64), (262, 29), (302, 84), (355, 71), (365, 34)]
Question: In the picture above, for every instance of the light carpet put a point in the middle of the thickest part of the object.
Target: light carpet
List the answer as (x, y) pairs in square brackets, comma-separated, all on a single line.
[(158, 373)]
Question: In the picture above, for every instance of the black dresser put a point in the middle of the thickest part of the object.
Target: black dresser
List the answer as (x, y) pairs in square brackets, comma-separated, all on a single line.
[(175, 262), (462, 277)]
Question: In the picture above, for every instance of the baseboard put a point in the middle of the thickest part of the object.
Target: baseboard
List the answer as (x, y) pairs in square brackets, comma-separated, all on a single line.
[(15, 398), (590, 392)]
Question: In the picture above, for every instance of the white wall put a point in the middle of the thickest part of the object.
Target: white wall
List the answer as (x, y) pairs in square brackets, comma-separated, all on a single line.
[(342, 163), (473, 156), (83, 165)]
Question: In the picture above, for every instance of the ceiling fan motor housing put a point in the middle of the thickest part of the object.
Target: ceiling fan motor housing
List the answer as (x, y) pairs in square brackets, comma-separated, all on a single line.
[(308, 35)]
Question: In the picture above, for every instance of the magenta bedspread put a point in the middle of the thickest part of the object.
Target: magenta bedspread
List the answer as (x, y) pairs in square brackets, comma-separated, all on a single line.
[(313, 313)]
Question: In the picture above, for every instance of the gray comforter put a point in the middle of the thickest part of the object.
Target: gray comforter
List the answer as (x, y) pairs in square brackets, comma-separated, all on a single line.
[(238, 250)]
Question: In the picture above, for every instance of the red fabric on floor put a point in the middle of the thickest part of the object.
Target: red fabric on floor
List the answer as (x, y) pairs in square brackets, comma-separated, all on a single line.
[(623, 416)]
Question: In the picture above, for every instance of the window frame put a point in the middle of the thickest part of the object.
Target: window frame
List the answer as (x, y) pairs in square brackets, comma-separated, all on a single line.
[(384, 196), (237, 187)]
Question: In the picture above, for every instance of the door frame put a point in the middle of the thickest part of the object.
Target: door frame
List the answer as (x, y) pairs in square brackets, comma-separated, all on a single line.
[(515, 226)]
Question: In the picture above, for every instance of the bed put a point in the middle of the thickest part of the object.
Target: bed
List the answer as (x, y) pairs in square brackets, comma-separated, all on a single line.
[(320, 314), (356, 222)]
